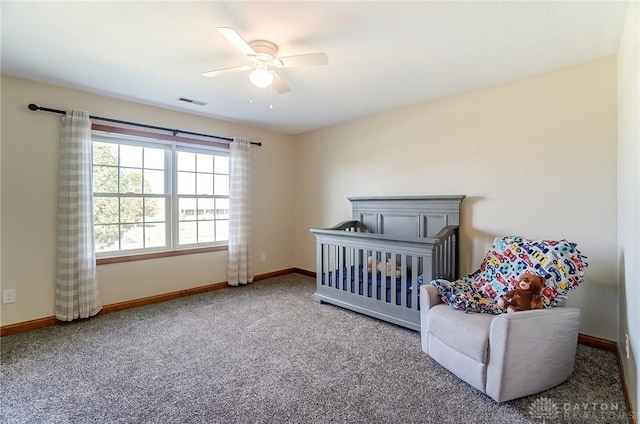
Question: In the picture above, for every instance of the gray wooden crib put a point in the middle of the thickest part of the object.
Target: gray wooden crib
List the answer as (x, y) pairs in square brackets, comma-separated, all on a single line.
[(374, 263)]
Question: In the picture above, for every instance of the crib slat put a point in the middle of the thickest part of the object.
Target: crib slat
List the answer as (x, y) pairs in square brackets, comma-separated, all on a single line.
[(445, 257), (334, 268), (325, 268), (327, 264), (366, 281), (446, 267), (332, 261), (348, 267), (374, 275), (403, 280), (449, 258), (340, 267), (383, 278), (393, 279), (356, 267), (437, 260), (452, 257), (414, 281), (370, 278)]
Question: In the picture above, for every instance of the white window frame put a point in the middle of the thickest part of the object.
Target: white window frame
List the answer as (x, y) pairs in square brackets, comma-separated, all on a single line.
[(171, 147)]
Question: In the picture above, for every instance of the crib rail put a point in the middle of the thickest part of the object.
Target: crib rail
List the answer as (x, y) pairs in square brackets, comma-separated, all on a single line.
[(377, 274)]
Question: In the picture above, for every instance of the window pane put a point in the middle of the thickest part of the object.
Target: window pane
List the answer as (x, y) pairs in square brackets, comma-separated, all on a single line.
[(186, 183), (187, 209), (222, 164), (154, 210), (222, 209), (107, 237), (153, 182), (131, 156), (105, 210), (206, 231), (205, 163), (205, 183), (131, 237), (222, 230), (105, 154), (153, 158), (221, 185), (154, 235), (187, 233), (130, 180), (186, 161), (105, 179), (131, 210), (207, 208)]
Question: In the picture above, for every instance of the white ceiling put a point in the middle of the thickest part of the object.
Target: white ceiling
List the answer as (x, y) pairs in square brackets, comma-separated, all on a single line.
[(382, 55)]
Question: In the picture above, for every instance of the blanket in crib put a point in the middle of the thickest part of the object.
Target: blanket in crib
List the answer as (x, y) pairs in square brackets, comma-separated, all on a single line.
[(558, 261)]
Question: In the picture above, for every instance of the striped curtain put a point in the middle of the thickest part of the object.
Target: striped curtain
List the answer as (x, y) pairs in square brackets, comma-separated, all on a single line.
[(76, 285), (239, 259)]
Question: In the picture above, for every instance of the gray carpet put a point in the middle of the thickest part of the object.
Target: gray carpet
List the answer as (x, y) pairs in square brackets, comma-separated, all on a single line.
[(265, 353)]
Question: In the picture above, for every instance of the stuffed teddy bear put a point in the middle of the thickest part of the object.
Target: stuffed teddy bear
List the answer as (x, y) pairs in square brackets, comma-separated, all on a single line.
[(379, 266), (525, 296), (370, 264)]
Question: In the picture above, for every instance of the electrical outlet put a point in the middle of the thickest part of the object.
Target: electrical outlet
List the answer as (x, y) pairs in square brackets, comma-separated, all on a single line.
[(9, 296), (263, 257), (626, 345)]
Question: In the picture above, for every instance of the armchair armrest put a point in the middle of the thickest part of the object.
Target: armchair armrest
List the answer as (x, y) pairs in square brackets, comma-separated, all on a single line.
[(428, 298), (547, 338)]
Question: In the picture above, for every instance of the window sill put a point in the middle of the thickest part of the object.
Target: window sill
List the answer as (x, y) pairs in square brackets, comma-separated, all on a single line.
[(143, 257)]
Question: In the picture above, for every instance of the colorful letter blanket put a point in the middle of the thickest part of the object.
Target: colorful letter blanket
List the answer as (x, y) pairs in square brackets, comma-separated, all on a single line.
[(559, 262)]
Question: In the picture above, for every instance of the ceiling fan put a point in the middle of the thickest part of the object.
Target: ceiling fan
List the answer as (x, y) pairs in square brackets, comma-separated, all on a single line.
[(263, 57)]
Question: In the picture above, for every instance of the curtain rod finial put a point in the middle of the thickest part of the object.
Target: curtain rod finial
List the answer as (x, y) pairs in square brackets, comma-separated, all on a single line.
[(33, 106)]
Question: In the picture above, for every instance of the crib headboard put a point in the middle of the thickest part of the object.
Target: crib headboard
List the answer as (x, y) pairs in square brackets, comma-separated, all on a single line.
[(407, 216)]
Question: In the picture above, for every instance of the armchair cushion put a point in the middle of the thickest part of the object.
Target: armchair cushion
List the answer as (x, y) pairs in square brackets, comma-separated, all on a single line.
[(466, 333)]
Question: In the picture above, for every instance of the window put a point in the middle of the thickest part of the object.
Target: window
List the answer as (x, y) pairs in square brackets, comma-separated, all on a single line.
[(156, 195), (203, 197)]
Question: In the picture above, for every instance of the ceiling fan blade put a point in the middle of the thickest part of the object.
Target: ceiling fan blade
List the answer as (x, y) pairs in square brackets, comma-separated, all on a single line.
[(279, 84), (237, 40), (217, 72), (304, 60)]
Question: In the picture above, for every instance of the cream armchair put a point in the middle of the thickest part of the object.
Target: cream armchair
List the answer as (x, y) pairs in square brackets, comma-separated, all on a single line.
[(504, 356)]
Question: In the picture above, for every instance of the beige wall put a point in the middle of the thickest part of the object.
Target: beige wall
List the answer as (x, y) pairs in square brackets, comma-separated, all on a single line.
[(29, 201), (629, 197), (536, 158)]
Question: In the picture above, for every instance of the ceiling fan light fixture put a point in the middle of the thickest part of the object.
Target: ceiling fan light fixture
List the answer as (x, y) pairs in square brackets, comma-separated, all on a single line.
[(263, 56), (261, 77)]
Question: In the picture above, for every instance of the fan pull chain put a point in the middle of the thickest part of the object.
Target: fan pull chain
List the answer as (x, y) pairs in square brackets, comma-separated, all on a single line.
[(271, 94), (251, 101)]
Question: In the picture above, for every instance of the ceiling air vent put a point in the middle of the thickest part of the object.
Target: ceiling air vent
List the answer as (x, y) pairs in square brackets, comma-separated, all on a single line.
[(195, 102)]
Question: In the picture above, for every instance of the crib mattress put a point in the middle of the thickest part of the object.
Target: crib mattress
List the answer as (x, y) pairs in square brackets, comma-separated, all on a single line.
[(389, 287)]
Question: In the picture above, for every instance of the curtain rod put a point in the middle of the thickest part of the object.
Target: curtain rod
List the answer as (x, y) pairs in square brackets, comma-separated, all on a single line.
[(34, 107)]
